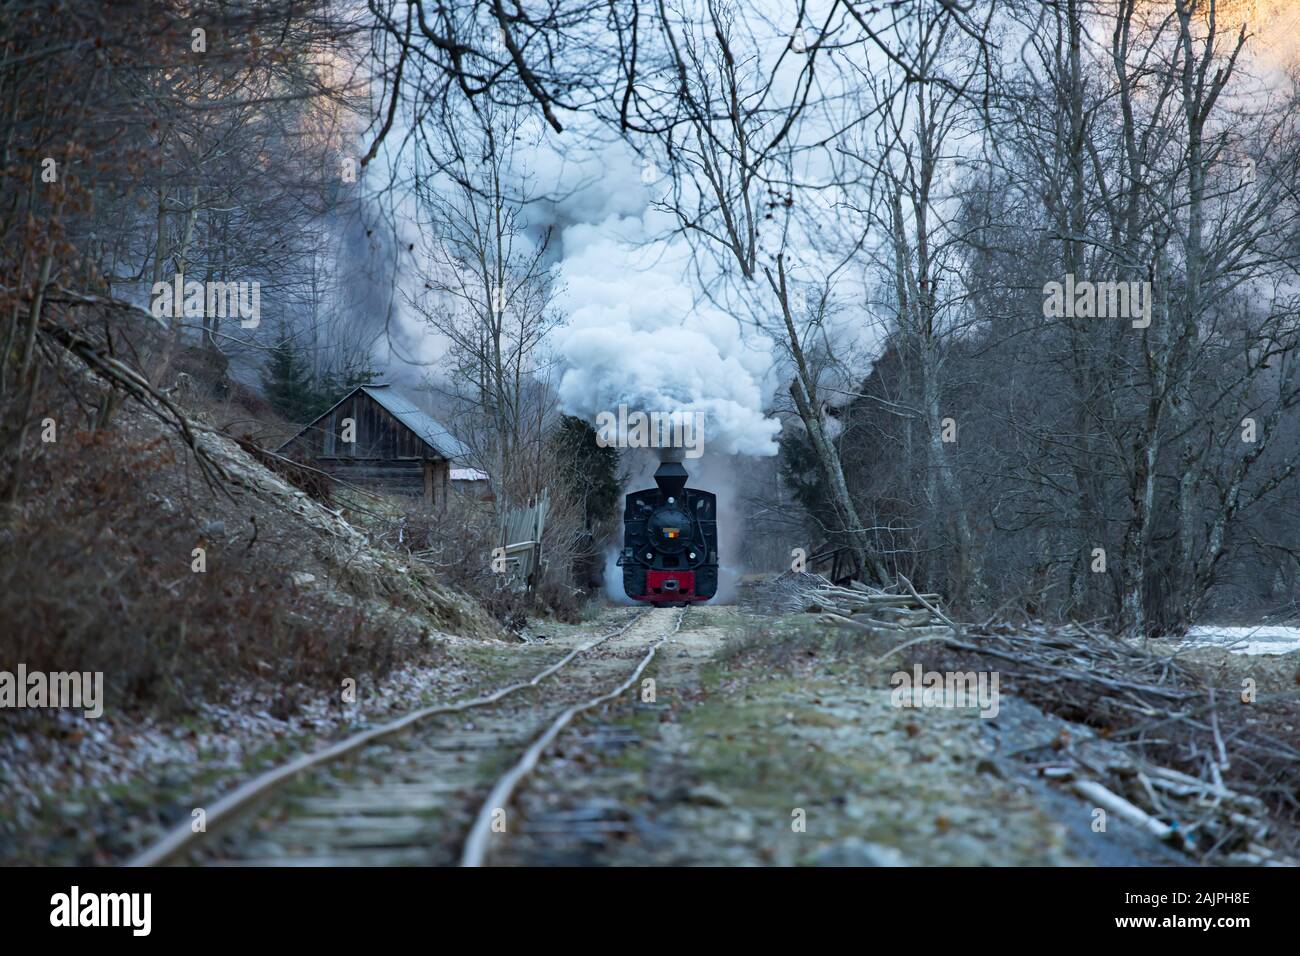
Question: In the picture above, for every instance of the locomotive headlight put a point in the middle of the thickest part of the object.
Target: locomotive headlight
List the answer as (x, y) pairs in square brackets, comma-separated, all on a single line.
[(692, 555)]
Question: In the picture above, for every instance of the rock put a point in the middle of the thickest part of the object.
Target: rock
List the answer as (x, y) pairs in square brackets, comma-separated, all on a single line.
[(965, 850), (706, 795), (856, 851), (856, 810), (742, 832), (300, 579)]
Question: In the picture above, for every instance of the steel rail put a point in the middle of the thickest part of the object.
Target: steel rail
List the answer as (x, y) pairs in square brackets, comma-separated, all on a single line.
[(182, 836), (476, 844)]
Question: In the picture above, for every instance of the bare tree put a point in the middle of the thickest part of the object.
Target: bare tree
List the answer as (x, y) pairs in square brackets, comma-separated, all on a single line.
[(487, 292)]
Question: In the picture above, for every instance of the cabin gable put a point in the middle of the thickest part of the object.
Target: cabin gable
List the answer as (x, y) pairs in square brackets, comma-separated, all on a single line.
[(388, 453), (379, 434)]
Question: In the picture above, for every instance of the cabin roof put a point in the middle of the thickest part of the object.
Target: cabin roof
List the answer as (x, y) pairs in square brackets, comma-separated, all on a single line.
[(431, 432)]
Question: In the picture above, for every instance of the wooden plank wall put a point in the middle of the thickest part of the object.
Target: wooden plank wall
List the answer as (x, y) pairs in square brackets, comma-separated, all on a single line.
[(386, 457), (378, 434)]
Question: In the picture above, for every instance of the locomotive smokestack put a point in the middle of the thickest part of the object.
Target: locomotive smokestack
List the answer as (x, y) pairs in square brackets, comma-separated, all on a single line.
[(671, 475)]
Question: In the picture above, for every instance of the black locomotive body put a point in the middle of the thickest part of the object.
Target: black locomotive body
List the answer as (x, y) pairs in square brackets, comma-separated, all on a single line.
[(670, 541)]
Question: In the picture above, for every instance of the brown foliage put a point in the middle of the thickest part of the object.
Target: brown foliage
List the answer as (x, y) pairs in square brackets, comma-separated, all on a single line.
[(95, 575)]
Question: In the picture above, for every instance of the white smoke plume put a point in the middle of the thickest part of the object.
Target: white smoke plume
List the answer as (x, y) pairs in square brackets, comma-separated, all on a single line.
[(635, 331), (637, 335)]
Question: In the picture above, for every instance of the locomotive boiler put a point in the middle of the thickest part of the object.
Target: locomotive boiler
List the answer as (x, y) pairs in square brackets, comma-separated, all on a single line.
[(670, 541)]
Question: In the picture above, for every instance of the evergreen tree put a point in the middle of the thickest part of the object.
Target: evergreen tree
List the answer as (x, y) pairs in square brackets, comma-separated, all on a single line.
[(287, 382), (352, 375), (590, 472), (335, 384)]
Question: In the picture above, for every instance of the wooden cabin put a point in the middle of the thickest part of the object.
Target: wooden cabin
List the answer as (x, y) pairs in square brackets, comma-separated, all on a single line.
[(395, 448)]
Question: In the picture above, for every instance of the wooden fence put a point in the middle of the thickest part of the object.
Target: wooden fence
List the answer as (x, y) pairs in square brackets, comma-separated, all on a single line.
[(521, 542)]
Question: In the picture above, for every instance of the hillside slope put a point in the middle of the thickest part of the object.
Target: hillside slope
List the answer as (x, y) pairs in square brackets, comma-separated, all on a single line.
[(227, 611)]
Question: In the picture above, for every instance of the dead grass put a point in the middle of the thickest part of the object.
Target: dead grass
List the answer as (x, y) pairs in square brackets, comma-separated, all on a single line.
[(783, 643), (457, 545), (96, 575)]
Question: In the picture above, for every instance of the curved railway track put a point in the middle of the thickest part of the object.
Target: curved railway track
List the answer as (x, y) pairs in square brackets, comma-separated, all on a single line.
[(398, 797), (476, 846)]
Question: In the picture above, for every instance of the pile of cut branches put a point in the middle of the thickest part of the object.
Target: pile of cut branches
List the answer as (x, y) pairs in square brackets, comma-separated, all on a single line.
[(858, 607), (1211, 773), (1149, 739)]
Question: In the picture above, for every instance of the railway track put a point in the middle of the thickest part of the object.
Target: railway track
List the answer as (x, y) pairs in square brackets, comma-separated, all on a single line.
[(410, 791)]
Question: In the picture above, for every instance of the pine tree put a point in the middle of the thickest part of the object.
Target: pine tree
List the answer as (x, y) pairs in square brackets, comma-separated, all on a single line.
[(287, 382), (336, 384), (590, 471), (354, 375)]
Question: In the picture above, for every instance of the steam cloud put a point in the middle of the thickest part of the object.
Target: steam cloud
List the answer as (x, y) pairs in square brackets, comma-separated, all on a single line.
[(636, 333)]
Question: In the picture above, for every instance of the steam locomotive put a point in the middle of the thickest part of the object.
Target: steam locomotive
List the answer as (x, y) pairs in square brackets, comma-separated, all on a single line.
[(670, 541)]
